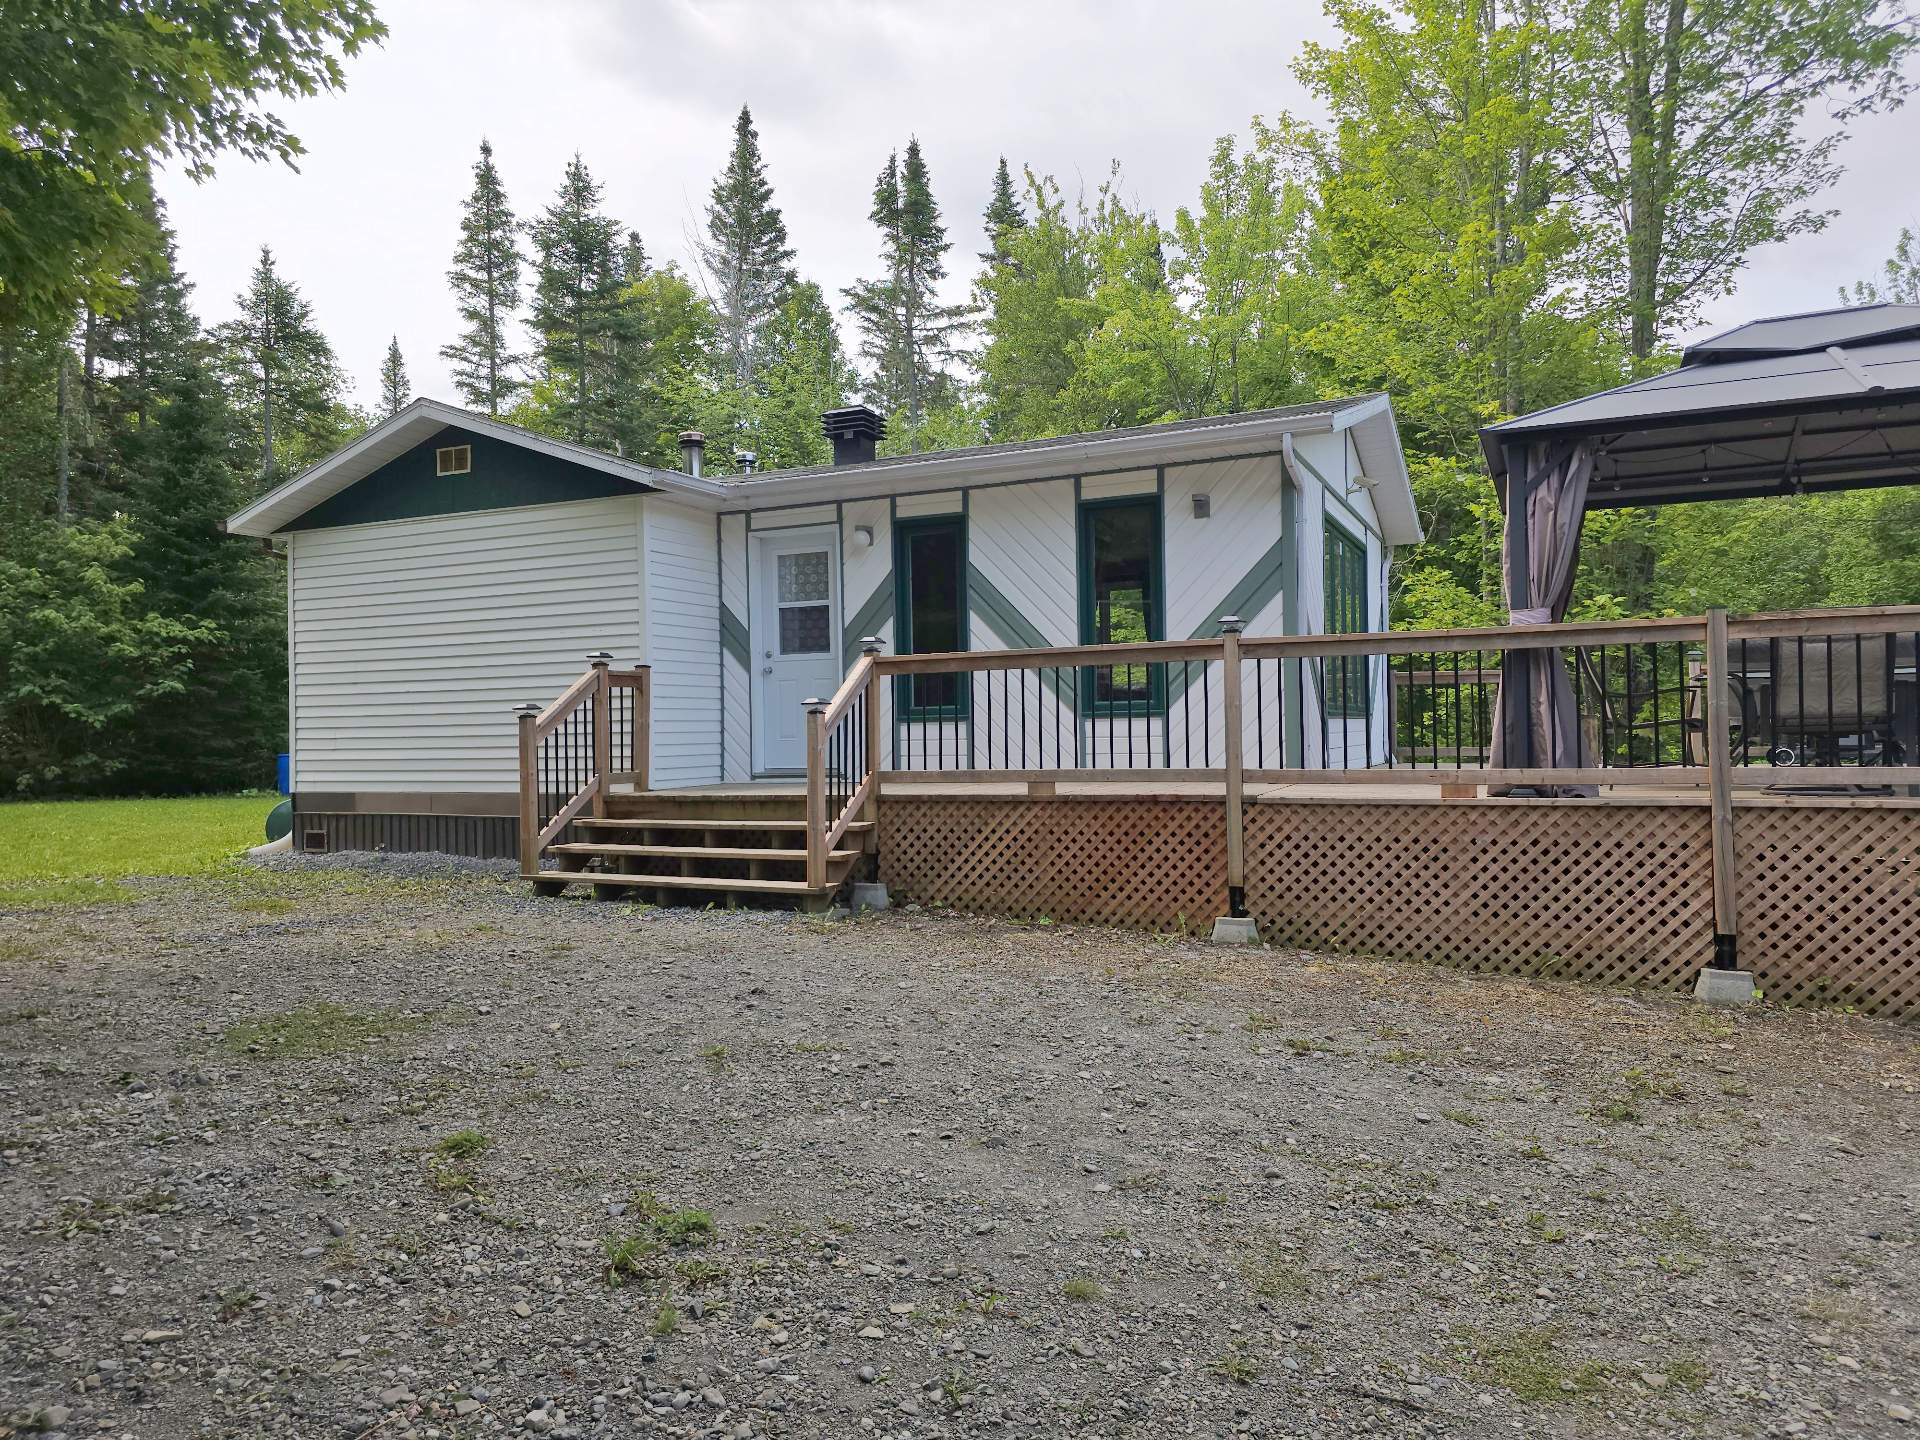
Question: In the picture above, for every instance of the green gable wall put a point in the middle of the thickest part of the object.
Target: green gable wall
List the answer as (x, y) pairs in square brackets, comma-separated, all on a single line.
[(503, 475)]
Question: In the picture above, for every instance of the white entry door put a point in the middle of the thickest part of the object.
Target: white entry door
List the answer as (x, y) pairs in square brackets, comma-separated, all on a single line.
[(796, 640)]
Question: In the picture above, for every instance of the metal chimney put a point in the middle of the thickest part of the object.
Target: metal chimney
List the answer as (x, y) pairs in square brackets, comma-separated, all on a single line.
[(854, 431), (693, 449)]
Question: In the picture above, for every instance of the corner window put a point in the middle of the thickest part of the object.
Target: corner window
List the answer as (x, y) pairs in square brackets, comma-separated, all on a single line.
[(1344, 574), (453, 460), (1120, 596), (930, 612)]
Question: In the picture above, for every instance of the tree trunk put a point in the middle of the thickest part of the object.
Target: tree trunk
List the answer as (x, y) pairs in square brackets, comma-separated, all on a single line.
[(63, 472)]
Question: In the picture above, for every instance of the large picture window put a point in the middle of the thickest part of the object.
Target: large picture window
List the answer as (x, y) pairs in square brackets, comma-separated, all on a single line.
[(1344, 566), (1120, 597), (930, 601)]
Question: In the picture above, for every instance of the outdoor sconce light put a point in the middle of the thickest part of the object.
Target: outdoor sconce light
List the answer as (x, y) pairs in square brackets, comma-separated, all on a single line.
[(1202, 505), (864, 534)]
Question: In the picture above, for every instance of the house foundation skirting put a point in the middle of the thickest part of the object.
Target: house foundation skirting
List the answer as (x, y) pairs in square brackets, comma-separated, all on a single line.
[(447, 825), (1606, 891)]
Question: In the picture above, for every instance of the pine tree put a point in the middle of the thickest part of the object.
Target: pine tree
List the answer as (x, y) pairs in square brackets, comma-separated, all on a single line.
[(748, 264), (576, 307), (1003, 217), (908, 337), (486, 283), (395, 389), (281, 372)]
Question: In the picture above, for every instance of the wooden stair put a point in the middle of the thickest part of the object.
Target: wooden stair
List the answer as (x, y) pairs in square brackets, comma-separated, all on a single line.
[(702, 849)]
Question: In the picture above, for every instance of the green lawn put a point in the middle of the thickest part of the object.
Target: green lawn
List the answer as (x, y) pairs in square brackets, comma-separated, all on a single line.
[(67, 852)]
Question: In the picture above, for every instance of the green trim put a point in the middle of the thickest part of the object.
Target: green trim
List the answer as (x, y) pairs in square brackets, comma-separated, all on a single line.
[(1334, 494), (1253, 593), (1156, 701), (1293, 739), (903, 531), (871, 616), (1337, 537), (988, 603), (504, 476), (733, 638)]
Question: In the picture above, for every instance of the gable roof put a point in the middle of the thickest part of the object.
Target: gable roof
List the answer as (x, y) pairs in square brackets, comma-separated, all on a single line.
[(406, 428), (1368, 418)]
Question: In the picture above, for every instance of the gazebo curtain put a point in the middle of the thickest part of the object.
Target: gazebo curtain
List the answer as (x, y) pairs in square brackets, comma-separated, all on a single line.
[(1554, 494)]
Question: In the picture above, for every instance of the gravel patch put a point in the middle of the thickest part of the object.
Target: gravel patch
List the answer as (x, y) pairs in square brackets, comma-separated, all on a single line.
[(354, 1146)]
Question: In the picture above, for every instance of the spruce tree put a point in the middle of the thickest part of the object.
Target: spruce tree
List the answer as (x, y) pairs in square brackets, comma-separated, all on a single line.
[(395, 390), (576, 307), (155, 333), (486, 283), (281, 373), (1003, 217), (219, 726), (748, 263), (908, 337), (634, 265)]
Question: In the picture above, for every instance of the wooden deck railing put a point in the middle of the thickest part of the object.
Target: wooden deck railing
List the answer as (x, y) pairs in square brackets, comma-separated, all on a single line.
[(1815, 698), (596, 735)]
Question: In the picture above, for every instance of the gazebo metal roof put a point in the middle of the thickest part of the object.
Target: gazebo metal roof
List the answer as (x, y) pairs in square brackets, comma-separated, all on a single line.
[(1828, 400)]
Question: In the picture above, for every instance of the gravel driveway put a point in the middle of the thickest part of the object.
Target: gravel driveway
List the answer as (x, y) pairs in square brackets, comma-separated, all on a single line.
[(394, 1150)]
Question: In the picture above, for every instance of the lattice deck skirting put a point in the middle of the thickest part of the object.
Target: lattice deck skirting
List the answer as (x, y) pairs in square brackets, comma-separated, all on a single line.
[(1829, 903), (1154, 864), (1600, 891), (1584, 890)]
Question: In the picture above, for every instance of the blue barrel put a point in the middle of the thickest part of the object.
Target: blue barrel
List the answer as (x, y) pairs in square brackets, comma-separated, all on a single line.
[(283, 773)]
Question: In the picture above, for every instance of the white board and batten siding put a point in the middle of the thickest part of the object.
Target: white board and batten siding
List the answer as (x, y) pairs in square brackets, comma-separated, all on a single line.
[(412, 640)]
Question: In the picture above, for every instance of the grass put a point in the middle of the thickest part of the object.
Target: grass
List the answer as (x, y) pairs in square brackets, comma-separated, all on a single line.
[(77, 852), (463, 1144), (1083, 1288), (320, 1028), (1528, 1363)]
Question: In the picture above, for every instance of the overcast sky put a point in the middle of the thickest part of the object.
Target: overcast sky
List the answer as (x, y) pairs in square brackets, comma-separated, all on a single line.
[(647, 92)]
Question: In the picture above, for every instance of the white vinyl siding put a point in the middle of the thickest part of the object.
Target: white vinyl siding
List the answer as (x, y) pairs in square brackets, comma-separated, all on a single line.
[(683, 642), (736, 721), (412, 640)]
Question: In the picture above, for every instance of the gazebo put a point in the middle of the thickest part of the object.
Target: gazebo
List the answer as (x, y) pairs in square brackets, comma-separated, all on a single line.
[(1827, 400)]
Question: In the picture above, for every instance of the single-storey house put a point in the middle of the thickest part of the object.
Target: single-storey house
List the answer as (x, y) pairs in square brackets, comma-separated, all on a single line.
[(445, 567)]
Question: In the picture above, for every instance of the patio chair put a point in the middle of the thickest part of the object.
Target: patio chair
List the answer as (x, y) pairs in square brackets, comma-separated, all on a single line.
[(1822, 691)]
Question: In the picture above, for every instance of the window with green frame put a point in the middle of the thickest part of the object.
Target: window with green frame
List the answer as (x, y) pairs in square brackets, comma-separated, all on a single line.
[(930, 612), (1121, 600), (1344, 568)]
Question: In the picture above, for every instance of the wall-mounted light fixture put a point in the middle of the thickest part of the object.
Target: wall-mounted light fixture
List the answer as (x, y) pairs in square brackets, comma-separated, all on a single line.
[(864, 534), (1202, 505)]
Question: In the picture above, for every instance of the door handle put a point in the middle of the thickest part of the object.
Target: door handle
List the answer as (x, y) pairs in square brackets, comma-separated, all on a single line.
[(766, 669)]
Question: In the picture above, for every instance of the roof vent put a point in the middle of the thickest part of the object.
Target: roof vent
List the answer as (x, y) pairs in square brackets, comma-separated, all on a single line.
[(854, 431), (693, 449)]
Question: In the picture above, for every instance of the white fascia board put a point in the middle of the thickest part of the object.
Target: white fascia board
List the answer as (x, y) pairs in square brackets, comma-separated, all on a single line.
[(949, 472), (399, 433)]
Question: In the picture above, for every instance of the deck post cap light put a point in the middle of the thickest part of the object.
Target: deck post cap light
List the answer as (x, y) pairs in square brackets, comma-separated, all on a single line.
[(870, 644), (600, 657), (1231, 624)]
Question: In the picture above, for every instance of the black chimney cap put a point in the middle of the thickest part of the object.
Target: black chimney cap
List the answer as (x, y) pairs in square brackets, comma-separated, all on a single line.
[(854, 431)]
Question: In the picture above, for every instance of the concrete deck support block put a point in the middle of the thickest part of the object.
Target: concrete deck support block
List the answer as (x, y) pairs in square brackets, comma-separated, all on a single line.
[(1235, 930), (870, 897), (1725, 987)]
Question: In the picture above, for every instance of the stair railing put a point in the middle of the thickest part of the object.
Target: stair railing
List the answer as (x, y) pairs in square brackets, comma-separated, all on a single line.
[(843, 759), (596, 735)]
